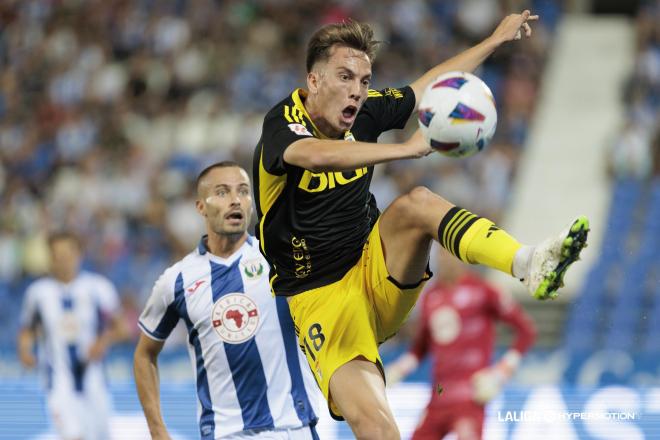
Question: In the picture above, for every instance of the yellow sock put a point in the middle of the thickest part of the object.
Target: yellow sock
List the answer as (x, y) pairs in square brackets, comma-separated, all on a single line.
[(477, 240)]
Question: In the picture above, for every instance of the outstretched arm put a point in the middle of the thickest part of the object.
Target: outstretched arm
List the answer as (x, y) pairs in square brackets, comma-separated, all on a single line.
[(511, 28), (145, 369), (319, 155)]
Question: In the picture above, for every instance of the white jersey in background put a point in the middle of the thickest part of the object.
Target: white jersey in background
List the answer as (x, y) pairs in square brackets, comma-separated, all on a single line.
[(67, 319), (251, 376)]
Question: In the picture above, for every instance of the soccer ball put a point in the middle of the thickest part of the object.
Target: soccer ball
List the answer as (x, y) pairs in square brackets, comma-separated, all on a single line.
[(457, 114)]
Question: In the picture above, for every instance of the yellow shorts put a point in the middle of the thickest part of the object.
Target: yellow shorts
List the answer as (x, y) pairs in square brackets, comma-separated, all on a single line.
[(351, 317)]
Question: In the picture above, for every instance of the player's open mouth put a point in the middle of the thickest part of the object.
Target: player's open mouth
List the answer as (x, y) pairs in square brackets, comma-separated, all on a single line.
[(234, 216), (349, 112)]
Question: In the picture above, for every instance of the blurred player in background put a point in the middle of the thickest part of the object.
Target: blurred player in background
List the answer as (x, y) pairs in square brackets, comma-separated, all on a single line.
[(74, 315), (351, 274), (252, 381), (457, 326)]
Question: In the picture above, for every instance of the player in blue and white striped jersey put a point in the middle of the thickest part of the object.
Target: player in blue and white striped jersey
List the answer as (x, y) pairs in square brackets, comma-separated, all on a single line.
[(252, 379), (75, 317)]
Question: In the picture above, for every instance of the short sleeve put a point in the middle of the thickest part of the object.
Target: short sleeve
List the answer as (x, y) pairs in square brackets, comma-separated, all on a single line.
[(29, 310), (279, 132), (388, 109), (160, 316), (107, 297)]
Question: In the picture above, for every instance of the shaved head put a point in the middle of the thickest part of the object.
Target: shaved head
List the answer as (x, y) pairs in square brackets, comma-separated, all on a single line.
[(202, 184)]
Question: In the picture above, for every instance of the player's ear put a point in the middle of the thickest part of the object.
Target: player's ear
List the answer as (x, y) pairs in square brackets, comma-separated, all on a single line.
[(201, 207), (313, 82)]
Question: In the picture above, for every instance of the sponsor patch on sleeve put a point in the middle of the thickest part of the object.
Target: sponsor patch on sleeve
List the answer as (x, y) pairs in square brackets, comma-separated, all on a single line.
[(299, 129)]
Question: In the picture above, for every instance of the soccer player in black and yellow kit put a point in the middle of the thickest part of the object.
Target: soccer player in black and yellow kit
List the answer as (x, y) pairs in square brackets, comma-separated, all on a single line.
[(351, 273)]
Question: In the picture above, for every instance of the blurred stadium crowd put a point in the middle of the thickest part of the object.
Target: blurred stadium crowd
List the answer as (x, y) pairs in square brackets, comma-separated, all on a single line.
[(618, 307), (636, 148), (108, 109)]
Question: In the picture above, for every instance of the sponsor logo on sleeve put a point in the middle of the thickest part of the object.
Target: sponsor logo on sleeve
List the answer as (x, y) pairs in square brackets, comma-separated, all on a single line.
[(299, 129)]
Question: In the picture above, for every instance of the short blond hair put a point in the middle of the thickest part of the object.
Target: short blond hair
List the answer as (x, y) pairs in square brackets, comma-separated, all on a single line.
[(349, 33)]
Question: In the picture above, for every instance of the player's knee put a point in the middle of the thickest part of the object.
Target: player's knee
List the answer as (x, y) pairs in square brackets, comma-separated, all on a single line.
[(420, 198), (373, 425), (407, 207), (420, 195)]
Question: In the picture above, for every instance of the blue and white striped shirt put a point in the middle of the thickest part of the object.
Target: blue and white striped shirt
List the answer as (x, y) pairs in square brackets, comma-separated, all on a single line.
[(71, 317), (249, 370)]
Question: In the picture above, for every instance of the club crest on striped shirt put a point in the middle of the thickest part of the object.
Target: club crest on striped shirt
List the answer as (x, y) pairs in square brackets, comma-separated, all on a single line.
[(69, 326), (253, 269), (235, 318)]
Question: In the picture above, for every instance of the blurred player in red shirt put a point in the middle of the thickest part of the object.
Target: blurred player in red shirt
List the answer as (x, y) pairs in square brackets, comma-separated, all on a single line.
[(457, 326)]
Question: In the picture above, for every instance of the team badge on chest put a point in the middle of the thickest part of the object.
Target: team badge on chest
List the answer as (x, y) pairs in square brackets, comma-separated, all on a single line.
[(235, 318), (253, 269), (69, 326)]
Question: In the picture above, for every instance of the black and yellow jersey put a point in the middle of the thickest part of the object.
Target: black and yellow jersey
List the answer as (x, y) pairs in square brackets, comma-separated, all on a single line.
[(312, 226)]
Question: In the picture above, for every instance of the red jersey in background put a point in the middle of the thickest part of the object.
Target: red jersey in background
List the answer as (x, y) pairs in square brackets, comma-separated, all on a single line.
[(457, 326)]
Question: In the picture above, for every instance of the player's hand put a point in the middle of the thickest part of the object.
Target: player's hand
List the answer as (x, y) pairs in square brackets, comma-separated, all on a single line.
[(487, 384), (27, 359), (400, 368), (514, 26), (418, 144), (393, 375), (97, 350)]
